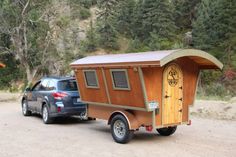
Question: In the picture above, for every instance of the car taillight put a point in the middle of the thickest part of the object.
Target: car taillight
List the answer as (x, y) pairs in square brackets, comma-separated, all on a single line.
[(59, 95)]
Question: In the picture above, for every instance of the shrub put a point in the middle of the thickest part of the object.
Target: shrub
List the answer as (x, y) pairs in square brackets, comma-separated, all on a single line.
[(84, 13), (87, 3)]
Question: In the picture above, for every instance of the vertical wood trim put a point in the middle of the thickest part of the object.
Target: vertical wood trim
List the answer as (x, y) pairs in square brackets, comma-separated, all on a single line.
[(195, 93), (154, 119), (77, 83), (106, 87), (140, 72)]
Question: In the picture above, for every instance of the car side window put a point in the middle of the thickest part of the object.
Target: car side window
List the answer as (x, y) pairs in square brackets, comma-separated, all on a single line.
[(36, 87), (51, 85), (44, 85)]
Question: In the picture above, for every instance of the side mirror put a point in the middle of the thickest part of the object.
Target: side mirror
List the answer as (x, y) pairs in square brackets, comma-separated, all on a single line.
[(28, 89)]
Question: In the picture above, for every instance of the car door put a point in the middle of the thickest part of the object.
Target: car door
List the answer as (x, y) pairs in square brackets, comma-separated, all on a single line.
[(41, 94), (32, 96), (48, 95)]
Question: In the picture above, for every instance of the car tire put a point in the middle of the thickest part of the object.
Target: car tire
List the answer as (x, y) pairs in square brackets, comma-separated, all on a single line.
[(120, 129), (167, 131), (25, 108), (46, 115)]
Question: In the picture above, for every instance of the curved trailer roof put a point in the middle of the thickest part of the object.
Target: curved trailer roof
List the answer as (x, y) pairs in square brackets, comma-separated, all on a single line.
[(159, 58)]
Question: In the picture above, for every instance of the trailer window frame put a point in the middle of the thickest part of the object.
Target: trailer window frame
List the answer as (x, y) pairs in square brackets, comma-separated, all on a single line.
[(86, 81), (126, 77)]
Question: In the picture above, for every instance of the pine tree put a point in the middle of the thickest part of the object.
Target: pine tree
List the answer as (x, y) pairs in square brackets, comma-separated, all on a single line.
[(215, 31), (106, 30), (137, 21), (158, 18), (215, 28), (185, 13), (90, 43), (202, 24), (124, 16)]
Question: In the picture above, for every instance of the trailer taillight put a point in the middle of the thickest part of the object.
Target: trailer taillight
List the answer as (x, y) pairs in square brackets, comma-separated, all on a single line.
[(149, 128)]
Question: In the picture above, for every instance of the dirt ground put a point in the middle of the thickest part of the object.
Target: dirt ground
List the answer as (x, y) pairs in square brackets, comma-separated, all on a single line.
[(27, 136)]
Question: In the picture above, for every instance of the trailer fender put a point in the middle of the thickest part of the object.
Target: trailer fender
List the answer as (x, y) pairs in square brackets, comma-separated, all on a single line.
[(132, 121)]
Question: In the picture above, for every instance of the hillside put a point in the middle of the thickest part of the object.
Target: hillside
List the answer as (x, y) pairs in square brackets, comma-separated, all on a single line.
[(41, 38)]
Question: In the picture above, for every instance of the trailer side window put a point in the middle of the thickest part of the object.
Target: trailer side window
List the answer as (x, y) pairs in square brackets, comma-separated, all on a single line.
[(91, 79), (120, 79)]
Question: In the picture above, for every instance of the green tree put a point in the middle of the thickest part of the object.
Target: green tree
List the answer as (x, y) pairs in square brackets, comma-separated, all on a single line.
[(11, 72), (153, 23), (185, 13), (215, 31), (137, 21), (124, 17), (158, 18), (215, 28), (106, 24), (90, 43), (27, 25)]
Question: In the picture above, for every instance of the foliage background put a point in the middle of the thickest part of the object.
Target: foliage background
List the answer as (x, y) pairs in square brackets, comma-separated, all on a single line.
[(78, 28)]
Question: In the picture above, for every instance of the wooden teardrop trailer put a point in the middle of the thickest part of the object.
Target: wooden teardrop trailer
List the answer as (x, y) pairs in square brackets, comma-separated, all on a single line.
[(149, 89)]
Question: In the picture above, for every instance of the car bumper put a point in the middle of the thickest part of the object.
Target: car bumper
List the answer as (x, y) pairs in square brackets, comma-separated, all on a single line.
[(71, 111)]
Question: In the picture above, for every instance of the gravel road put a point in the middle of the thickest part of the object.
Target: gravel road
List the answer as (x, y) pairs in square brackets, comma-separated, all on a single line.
[(28, 136)]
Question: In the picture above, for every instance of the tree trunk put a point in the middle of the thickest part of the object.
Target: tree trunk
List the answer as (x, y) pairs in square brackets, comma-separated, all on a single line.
[(31, 74)]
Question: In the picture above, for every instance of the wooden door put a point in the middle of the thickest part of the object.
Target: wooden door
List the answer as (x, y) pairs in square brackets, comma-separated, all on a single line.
[(172, 95)]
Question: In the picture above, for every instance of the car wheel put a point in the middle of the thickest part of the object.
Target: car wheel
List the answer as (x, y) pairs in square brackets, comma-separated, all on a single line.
[(120, 129), (46, 115), (25, 109), (167, 131)]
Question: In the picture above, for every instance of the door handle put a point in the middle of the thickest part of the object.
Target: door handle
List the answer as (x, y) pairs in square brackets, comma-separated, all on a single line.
[(167, 96), (180, 110), (181, 99)]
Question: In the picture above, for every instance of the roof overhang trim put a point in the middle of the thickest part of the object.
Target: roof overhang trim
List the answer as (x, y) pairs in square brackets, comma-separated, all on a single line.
[(189, 53)]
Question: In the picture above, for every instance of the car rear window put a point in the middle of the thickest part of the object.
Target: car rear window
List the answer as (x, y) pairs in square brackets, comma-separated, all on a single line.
[(67, 85)]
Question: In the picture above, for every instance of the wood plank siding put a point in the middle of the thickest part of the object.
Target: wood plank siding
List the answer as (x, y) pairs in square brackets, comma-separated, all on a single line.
[(91, 94), (132, 97)]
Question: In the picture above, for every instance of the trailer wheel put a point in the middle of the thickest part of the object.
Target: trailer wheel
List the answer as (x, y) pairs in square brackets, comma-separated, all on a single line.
[(167, 131), (120, 129)]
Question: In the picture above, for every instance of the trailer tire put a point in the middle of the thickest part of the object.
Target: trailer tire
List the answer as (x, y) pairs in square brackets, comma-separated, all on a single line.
[(120, 129), (167, 131)]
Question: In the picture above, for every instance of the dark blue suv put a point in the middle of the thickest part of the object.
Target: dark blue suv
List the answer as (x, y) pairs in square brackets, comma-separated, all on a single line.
[(53, 97)]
